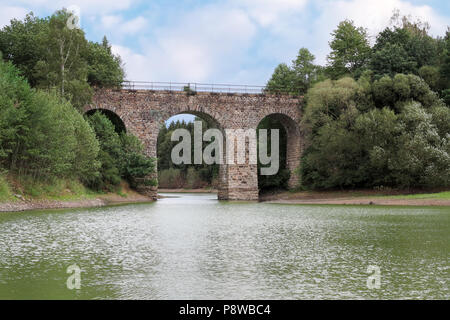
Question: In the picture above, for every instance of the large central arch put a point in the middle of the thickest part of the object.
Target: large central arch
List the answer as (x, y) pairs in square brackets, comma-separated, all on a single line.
[(214, 123)]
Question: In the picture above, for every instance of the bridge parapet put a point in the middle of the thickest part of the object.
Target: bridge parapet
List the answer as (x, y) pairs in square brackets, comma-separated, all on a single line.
[(193, 87)]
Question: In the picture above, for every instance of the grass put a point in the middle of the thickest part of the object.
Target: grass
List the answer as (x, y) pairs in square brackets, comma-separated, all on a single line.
[(14, 187), (360, 194), (5, 190), (440, 195), (53, 189)]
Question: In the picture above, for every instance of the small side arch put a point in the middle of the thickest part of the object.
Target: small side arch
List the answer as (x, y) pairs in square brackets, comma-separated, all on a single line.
[(118, 123), (293, 144)]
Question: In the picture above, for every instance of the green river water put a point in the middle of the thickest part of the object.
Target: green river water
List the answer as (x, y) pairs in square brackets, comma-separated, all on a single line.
[(194, 247)]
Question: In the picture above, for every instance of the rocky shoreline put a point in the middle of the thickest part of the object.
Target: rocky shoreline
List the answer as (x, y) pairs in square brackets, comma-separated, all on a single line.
[(26, 205), (23, 204)]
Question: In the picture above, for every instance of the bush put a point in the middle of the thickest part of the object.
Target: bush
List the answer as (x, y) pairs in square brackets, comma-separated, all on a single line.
[(326, 101), (121, 156), (193, 179), (404, 144), (171, 179)]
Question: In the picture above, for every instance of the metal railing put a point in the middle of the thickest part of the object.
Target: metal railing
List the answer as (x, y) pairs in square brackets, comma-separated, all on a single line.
[(198, 87)]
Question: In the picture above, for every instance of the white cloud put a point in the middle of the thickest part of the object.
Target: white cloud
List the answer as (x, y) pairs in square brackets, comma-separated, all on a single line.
[(373, 15), (86, 6), (134, 63), (237, 41), (269, 12), (205, 42), (119, 26), (7, 13)]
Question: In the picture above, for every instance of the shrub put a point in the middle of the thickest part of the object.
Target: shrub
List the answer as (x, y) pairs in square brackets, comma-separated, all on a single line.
[(171, 179)]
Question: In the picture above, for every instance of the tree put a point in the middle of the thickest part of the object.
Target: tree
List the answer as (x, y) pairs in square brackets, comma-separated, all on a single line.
[(306, 72), (295, 79), (392, 59), (20, 43), (404, 47), (54, 57), (350, 50), (121, 156), (282, 80), (402, 141), (104, 68), (41, 135), (136, 166), (445, 68), (110, 155), (63, 66)]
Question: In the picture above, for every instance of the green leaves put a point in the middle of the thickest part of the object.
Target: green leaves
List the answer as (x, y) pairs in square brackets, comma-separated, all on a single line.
[(295, 79), (40, 134), (402, 143), (121, 156), (350, 50), (104, 68), (53, 57)]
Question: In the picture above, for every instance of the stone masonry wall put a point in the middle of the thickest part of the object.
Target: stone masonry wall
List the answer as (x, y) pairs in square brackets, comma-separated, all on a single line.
[(143, 113)]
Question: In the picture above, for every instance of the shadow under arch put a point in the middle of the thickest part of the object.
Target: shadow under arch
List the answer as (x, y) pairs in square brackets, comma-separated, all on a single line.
[(290, 151), (118, 123)]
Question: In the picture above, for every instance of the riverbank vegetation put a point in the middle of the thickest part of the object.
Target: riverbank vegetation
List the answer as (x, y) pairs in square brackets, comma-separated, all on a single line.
[(47, 74), (390, 197), (375, 116)]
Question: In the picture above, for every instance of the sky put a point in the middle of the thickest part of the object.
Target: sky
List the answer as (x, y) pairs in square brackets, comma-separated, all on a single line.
[(219, 41)]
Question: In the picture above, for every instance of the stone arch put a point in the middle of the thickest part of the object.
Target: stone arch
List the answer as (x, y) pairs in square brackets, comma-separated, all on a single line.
[(112, 116), (293, 146), (142, 112)]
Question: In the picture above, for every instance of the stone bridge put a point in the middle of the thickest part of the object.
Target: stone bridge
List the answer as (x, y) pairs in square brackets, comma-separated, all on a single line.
[(143, 112)]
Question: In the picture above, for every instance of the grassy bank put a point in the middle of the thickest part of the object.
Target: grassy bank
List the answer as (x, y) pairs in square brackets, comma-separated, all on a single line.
[(25, 189), (5, 190), (372, 197), (20, 188), (439, 195)]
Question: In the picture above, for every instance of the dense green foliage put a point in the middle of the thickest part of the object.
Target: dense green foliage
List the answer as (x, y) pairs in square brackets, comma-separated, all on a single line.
[(350, 50), (295, 79), (121, 156), (382, 118), (399, 138), (44, 141), (40, 134), (54, 57)]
